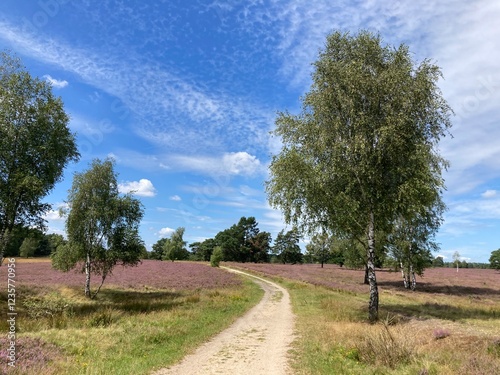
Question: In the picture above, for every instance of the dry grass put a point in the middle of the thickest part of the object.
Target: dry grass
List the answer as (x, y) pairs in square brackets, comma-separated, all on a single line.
[(449, 326), (145, 320)]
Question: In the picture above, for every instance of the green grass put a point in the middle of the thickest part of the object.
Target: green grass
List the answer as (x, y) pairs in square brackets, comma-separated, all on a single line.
[(129, 331)]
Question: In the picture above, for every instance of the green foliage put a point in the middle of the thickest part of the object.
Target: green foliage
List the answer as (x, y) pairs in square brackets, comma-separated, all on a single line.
[(320, 248), (243, 242), (363, 151), (410, 244), (495, 259), (438, 262), (38, 307), (35, 146), (203, 250), (216, 257), (174, 248), (286, 247), (102, 226), (28, 247), (158, 247)]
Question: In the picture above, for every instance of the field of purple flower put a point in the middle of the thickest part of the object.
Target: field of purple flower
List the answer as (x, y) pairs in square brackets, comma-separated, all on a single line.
[(51, 302), (465, 282), (150, 274)]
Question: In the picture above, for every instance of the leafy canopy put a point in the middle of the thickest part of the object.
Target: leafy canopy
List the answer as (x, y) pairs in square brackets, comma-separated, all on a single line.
[(363, 151), (35, 146), (495, 259), (102, 226)]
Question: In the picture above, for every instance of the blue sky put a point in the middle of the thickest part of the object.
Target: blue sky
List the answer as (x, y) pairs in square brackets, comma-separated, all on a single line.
[(183, 94)]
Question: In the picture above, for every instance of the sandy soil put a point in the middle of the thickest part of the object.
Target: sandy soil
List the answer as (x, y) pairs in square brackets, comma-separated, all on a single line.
[(257, 343)]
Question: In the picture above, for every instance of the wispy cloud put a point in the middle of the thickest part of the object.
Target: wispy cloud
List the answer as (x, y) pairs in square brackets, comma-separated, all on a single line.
[(168, 109)]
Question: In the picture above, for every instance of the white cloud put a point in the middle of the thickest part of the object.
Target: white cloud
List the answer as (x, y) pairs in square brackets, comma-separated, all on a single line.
[(489, 194), (164, 232), (240, 163), (55, 82), (143, 188), (175, 198), (232, 163)]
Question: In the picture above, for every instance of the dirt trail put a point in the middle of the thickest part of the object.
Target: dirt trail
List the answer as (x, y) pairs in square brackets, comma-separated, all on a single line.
[(257, 343)]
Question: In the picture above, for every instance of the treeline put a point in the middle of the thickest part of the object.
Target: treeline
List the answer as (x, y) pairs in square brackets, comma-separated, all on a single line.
[(242, 242), (32, 242)]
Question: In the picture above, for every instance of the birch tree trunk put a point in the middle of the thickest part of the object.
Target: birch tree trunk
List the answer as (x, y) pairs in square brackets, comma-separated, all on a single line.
[(87, 276), (403, 274), (372, 279)]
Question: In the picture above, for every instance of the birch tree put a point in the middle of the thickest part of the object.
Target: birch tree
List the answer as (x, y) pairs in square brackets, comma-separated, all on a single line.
[(102, 226), (363, 150)]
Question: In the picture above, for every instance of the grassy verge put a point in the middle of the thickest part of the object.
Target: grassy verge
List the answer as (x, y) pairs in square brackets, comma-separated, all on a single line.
[(122, 331), (418, 334), (423, 332)]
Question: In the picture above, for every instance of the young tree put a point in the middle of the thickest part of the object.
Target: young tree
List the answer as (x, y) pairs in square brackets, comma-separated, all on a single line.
[(216, 257), (495, 259), (320, 248), (364, 149), (102, 226), (411, 243), (174, 247), (35, 147), (28, 247)]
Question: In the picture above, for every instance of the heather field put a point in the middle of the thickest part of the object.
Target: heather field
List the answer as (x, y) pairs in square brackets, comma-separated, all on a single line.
[(466, 282), (150, 274), (144, 317), (450, 325)]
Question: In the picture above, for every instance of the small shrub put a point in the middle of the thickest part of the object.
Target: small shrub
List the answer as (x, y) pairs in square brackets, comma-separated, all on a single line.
[(37, 307), (103, 319), (216, 257), (441, 333), (381, 346)]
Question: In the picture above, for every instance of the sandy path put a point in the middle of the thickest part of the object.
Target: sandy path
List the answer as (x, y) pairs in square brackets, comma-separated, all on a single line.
[(257, 343)]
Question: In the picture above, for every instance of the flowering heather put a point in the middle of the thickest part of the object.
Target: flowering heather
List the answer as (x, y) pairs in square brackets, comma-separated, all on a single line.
[(474, 283), (32, 356), (149, 274)]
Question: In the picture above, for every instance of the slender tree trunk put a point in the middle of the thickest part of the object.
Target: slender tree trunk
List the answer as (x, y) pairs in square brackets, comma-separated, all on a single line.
[(413, 279), (403, 275), (4, 241), (366, 275), (87, 276), (99, 288), (372, 279)]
